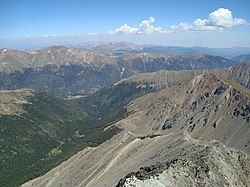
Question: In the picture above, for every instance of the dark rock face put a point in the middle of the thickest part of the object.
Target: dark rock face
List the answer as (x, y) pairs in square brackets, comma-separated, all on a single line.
[(219, 90), (166, 126), (243, 110)]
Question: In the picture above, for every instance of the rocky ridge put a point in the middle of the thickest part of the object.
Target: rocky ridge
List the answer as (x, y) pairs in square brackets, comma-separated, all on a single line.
[(204, 164)]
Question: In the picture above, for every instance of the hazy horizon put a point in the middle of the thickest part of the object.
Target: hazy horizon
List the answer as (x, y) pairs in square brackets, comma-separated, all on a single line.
[(212, 23), (87, 44)]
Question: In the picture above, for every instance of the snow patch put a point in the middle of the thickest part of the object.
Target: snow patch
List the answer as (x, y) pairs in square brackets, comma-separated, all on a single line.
[(122, 72), (74, 97), (4, 50), (80, 73), (33, 59), (230, 70), (4, 64), (197, 79)]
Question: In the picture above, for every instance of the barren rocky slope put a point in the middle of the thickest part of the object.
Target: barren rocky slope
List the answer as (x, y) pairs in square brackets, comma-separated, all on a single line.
[(194, 132), (207, 106)]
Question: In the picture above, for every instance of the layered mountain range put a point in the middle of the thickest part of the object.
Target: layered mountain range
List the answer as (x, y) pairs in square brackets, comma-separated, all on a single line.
[(126, 47), (124, 117), (68, 72)]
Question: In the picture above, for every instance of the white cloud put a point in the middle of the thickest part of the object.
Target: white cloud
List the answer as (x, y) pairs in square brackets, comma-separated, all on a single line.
[(223, 18), (218, 21), (145, 27), (92, 33), (125, 29), (49, 35), (180, 27)]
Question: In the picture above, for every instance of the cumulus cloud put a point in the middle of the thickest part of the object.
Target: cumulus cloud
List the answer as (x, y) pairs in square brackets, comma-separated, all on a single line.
[(145, 27), (223, 18), (218, 21), (125, 29)]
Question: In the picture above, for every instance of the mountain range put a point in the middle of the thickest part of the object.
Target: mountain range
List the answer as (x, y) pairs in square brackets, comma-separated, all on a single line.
[(125, 47), (120, 114), (70, 72)]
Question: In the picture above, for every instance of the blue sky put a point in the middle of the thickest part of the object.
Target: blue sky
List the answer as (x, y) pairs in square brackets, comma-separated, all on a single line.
[(212, 23)]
